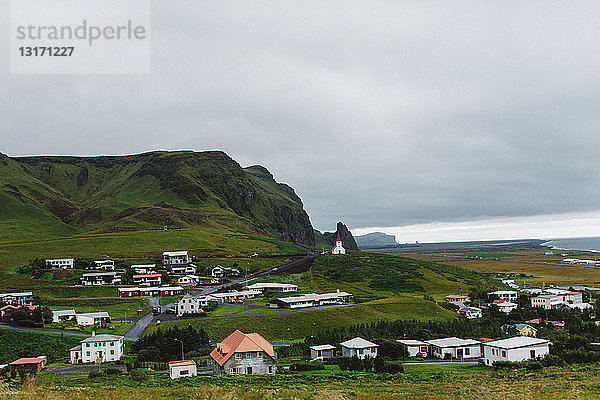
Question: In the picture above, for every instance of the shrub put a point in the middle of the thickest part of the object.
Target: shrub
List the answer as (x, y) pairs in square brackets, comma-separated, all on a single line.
[(95, 374), (385, 365), (112, 371), (139, 374)]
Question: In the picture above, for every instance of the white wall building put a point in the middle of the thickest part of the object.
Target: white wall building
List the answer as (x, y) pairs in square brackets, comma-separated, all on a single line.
[(94, 318), (359, 347), (63, 315), (414, 348), (322, 352), (313, 300), (144, 269), (97, 348), (454, 347), (272, 287), (182, 369), (507, 306), (192, 305), (338, 248), (188, 280), (61, 263), (509, 295), (104, 265), (519, 348), (17, 299), (176, 257)]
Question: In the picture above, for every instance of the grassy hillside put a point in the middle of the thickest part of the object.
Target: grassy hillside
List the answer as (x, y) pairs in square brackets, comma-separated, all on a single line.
[(33, 344), (58, 196), (136, 247), (387, 287)]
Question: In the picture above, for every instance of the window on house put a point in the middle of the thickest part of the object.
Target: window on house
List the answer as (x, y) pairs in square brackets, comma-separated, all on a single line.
[(233, 371), (239, 356), (467, 351), (503, 353), (112, 352), (360, 351), (184, 372)]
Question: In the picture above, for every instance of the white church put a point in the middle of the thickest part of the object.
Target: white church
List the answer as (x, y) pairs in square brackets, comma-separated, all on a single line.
[(338, 249)]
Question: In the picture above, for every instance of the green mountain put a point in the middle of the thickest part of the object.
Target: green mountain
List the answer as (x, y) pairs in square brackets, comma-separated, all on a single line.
[(376, 239), (66, 195)]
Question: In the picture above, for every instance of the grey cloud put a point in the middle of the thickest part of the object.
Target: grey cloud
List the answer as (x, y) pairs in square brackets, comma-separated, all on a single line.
[(377, 113)]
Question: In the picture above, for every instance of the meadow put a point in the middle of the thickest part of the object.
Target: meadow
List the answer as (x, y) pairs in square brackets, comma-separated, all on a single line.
[(417, 382)]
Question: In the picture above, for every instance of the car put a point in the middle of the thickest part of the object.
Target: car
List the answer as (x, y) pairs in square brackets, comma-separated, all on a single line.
[(156, 311)]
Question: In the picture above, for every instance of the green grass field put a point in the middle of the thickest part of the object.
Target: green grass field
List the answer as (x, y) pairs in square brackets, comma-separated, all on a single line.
[(274, 325), (416, 383)]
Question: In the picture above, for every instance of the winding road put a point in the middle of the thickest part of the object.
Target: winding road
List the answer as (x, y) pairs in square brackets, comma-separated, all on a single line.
[(136, 331)]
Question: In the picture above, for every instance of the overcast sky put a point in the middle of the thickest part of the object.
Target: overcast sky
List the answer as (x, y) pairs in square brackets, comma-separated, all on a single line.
[(379, 114)]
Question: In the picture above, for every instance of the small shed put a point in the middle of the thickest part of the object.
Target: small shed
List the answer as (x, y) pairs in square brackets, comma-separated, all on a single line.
[(414, 348), (322, 352), (182, 369)]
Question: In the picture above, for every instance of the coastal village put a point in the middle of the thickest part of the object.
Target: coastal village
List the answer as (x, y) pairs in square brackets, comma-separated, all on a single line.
[(191, 293)]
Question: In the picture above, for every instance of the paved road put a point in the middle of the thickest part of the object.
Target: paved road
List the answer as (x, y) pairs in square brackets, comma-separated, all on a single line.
[(136, 331)]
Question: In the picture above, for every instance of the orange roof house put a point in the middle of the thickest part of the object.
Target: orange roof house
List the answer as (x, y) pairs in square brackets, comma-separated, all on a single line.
[(30, 364), (244, 353)]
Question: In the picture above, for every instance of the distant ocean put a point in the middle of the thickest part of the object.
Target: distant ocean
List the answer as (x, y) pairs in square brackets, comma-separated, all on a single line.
[(587, 244)]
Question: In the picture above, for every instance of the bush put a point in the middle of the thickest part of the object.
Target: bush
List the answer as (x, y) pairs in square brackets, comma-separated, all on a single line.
[(95, 374), (139, 374), (112, 371), (385, 365)]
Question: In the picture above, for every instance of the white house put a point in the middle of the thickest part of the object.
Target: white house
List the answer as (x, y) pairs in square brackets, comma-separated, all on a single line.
[(100, 278), (176, 257), (17, 299), (234, 296), (144, 269), (506, 306), (219, 271), (470, 312), (104, 265), (454, 347), (573, 297), (272, 287), (192, 305), (94, 318), (414, 348), (188, 280), (182, 369), (548, 301), (313, 300), (359, 347), (61, 263), (338, 248), (322, 352), (509, 295), (63, 315), (519, 348), (183, 269), (148, 279), (97, 348)]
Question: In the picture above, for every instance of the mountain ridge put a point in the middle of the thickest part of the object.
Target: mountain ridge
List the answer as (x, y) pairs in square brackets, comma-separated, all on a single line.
[(155, 189)]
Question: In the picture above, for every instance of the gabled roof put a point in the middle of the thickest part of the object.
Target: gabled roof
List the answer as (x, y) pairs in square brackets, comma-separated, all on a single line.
[(63, 312), (98, 314), (175, 253), (358, 343), (101, 338), (28, 360), (147, 276), (338, 238), (411, 342), (452, 342), (181, 363), (323, 347), (239, 342), (517, 341), (520, 327)]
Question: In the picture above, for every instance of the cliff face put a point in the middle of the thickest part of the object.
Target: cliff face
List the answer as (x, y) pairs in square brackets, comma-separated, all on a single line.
[(155, 189), (327, 239), (376, 239)]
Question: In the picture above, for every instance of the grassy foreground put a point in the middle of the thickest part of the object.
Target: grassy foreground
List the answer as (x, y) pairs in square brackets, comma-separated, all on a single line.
[(418, 382)]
